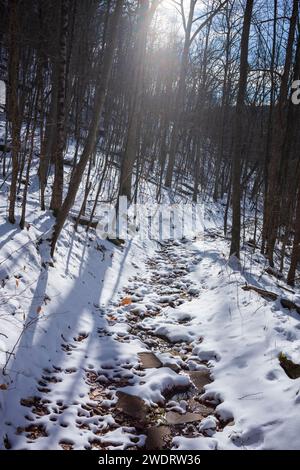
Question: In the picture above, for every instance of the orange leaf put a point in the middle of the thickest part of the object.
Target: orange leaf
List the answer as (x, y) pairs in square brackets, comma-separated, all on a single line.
[(111, 317), (126, 301)]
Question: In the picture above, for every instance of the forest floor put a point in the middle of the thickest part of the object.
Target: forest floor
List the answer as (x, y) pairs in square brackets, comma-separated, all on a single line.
[(143, 346), (147, 345)]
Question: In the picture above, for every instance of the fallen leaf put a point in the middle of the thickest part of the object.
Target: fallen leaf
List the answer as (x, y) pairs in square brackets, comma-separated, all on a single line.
[(3, 387), (38, 310), (111, 317), (126, 301), (17, 282)]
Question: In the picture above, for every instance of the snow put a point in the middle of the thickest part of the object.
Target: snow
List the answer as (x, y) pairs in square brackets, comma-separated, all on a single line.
[(242, 338), (157, 382), (45, 307), (208, 425), (198, 443), (121, 438), (176, 333), (2, 93), (79, 287)]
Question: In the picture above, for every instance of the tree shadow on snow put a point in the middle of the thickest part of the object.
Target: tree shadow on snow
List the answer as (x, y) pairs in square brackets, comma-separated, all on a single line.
[(78, 313)]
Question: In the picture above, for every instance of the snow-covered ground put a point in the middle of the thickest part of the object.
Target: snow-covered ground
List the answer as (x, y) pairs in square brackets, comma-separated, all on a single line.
[(43, 308), (71, 334), (243, 336)]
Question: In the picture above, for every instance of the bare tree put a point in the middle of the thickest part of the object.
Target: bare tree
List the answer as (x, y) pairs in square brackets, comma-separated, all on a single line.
[(57, 193), (93, 129), (14, 104), (237, 156)]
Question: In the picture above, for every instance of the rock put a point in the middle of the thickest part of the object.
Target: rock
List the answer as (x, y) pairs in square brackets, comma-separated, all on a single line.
[(209, 425), (193, 291), (172, 365), (149, 360), (291, 369), (158, 438), (132, 405), (174, 418), (200, 378), (197, 407)]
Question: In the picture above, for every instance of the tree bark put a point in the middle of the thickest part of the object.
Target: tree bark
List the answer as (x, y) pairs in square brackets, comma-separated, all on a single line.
[(57, 193), (14, 105), (132, 143), (277, 145), (179, 102), (94, 126), (237, 156)]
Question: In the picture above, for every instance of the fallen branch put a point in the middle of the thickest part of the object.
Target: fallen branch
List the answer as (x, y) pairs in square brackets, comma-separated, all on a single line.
[(286, 288), (286, 303), (86, 222), (274, 272), (12, 352), (264, 293)]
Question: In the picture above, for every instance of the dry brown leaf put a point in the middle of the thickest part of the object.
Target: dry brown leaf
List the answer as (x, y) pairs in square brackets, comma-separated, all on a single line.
[(17, 282), (39, 309), (126, 301), (3, 387), (111, 317)]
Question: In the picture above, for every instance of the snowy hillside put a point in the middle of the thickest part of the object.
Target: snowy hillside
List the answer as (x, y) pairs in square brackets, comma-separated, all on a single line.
[(146, 345)]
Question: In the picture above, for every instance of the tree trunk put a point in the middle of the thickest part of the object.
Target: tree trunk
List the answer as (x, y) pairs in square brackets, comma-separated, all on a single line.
[(94, 126), (132, 143), (57, 193), (179, 102), (27, 175), (50, 134), (237, 156), (14, 105), (277, 145)]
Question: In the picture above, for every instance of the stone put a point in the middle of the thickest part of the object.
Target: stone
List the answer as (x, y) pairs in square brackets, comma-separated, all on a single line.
[(174, 418), (149, 360), (158, 437), (132, 405), (291, 369), (200, 378)]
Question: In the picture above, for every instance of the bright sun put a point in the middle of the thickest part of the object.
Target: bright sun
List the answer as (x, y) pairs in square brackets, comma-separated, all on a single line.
[(169, 14)]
